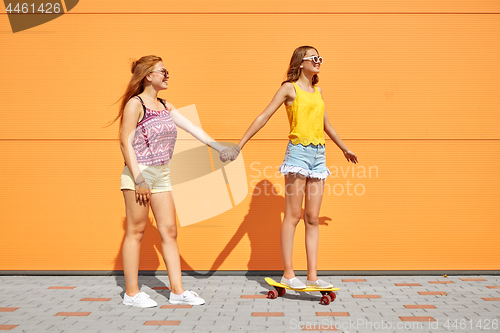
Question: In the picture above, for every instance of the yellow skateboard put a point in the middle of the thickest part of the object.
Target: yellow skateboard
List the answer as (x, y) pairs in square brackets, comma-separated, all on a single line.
[(280, 290)]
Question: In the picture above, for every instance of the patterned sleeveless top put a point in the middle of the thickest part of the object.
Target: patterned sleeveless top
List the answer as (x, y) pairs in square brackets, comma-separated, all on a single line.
[(155, 136)]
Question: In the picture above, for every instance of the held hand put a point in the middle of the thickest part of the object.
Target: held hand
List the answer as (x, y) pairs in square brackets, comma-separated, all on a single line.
[(224, 155), (142, 191), (350, 156), (234, 152), (230, 153)]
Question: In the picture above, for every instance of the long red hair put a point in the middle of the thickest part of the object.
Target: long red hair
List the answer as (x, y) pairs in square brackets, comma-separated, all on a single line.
[(140, 68), (294, 70)]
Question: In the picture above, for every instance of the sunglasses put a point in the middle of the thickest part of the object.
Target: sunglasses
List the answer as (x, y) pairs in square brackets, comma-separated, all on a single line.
[(316, 59), (163, 72)]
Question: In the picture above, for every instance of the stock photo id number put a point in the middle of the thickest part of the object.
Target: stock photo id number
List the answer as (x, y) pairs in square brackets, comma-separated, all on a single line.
[(32, 8)]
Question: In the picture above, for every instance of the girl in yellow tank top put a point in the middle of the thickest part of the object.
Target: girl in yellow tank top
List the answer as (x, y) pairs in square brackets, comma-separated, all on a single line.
[(304, 165), (305, 116)]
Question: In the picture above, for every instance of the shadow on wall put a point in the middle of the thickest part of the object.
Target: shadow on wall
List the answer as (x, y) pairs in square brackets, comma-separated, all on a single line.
[(262, 225)]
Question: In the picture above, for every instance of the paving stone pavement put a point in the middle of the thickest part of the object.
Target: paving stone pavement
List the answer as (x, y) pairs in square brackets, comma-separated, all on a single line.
[(382, 304)]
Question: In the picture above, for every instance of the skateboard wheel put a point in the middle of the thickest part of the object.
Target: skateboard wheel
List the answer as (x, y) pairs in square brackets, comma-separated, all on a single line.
[(325, 300), (272, 294), (281, 291), (332, 296)]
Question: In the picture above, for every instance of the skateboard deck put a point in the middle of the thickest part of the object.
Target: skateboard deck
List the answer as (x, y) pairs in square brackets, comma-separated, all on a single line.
[(328, 293)]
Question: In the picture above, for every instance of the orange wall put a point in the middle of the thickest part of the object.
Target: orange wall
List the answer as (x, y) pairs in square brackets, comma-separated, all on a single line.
[(413, 88)]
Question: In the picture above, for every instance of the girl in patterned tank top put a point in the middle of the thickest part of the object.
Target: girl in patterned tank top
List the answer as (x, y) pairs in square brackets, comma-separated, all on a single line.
[(304, 165), (148, 131)]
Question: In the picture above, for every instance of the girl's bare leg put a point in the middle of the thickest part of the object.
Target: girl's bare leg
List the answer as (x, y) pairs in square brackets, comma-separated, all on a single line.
[(163, 208), (314, 196), (294, 195), (137, 219)]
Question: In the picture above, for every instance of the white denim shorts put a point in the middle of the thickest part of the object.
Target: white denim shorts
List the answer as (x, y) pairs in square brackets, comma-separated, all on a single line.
[(156, 176)]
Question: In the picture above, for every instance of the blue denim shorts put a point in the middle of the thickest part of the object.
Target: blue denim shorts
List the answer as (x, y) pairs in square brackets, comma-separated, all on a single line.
[(308, 161)]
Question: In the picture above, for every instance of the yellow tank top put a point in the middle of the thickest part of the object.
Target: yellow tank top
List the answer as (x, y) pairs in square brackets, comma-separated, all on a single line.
[(305, 116)]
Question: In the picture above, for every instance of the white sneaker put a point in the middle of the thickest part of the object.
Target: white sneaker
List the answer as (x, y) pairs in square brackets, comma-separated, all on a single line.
[(320, 284), (141, 300), (293, 283), (188, 297)]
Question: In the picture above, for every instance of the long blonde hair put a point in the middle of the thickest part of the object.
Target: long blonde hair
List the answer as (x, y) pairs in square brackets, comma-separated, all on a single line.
[(140, 68), (294, 70)]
